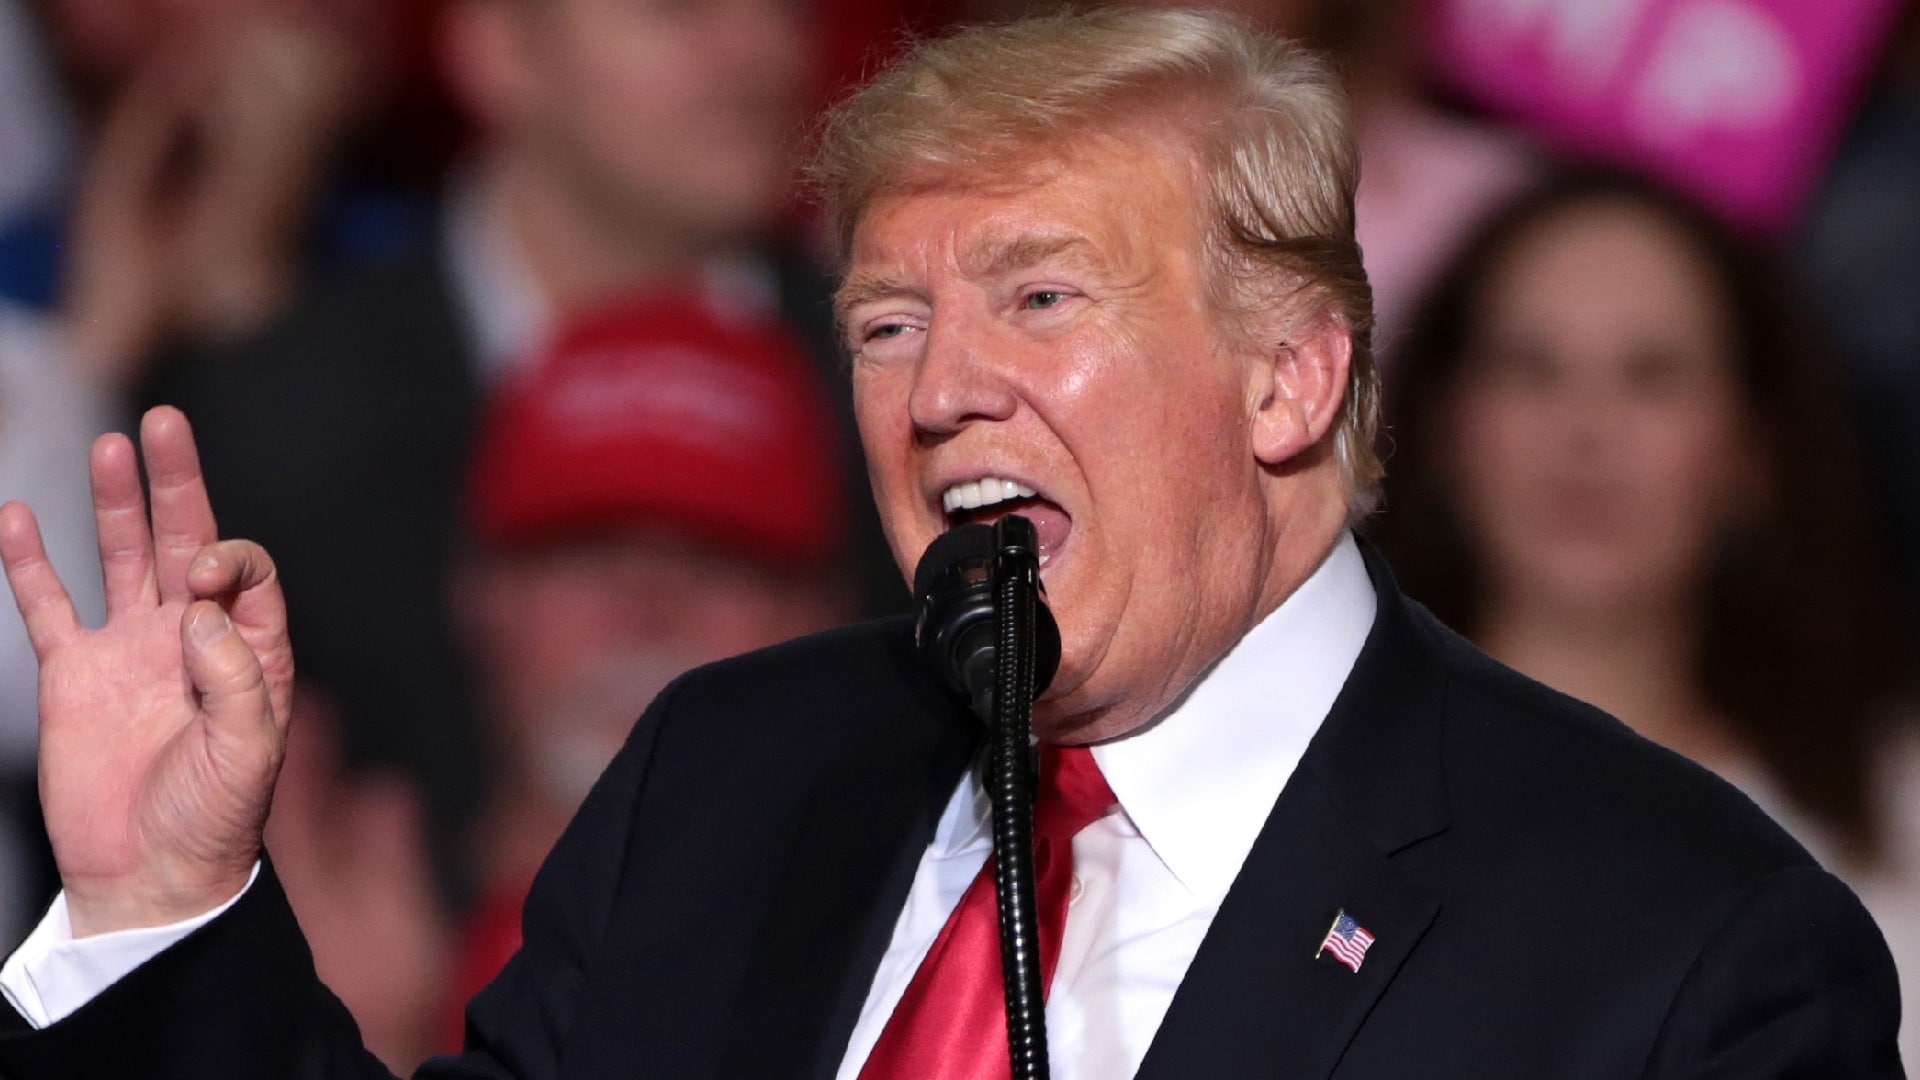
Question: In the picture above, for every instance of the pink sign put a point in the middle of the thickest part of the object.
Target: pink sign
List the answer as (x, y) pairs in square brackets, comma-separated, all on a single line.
[(1739, 102)]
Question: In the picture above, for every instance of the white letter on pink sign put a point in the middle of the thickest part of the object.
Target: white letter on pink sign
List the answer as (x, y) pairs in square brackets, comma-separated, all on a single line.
[(1585, 39), (1720, 67)]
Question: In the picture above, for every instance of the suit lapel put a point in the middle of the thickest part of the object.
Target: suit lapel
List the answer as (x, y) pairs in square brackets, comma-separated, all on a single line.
[(852, 860), (1256, 1000)]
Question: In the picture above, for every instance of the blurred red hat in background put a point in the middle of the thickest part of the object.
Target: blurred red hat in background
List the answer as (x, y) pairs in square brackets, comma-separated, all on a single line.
[(663, 412)]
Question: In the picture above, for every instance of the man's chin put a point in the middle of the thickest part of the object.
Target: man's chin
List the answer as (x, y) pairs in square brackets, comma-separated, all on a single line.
[(1068, 714)]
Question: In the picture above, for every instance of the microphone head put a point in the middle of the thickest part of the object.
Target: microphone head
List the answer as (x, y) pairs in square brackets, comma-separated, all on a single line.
[(956, 630), (958, 550), (953, 595)]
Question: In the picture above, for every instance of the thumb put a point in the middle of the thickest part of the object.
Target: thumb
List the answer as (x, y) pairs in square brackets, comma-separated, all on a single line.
[(227, 675)]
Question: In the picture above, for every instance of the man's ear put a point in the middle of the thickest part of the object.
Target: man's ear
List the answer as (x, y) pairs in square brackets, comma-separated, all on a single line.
[(1298, 386)]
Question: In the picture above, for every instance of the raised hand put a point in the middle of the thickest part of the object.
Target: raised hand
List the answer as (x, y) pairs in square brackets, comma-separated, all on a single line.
[(161, 732)]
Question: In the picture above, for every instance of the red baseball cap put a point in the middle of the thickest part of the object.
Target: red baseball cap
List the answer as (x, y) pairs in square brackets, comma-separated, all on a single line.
[(665, 412)]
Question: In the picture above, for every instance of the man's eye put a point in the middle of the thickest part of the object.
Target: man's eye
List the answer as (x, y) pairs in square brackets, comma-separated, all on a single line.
[(885, 331), (1043, 299)]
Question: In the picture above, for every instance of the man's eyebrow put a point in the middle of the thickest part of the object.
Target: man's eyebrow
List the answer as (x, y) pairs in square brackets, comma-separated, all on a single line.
[(988, 258), (863, 288), (998, 255)]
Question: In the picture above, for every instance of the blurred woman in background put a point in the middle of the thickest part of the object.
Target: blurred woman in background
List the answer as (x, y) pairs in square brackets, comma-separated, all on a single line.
[(1617, 468)]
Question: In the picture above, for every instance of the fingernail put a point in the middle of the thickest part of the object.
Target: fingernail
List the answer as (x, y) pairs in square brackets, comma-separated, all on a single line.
[(209, 625), (205, 562)]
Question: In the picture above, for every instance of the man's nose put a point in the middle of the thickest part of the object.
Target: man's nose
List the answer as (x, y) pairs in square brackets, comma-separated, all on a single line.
[(960, 380)]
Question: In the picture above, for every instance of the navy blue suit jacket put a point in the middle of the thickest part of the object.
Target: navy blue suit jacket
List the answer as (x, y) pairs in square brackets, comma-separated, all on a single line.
[(1553, 897)]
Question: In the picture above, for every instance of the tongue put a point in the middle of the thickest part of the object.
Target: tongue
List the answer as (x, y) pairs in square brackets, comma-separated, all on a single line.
[(1049, 521)]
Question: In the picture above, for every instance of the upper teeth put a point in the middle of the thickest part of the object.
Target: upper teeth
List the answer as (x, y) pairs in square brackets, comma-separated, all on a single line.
[(983, 492)]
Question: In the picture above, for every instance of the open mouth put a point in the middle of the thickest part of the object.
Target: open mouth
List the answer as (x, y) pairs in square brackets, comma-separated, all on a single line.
[(990, 498)]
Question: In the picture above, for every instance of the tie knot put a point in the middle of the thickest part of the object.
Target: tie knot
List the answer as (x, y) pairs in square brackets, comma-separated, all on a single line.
[(1071, 794)]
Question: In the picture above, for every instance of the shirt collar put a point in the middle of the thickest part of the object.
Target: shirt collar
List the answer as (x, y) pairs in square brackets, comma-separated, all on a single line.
[(1199, 782)]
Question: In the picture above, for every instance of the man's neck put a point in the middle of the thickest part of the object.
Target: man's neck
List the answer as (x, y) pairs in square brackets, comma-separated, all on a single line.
[(1304, 536), (1301, 531)]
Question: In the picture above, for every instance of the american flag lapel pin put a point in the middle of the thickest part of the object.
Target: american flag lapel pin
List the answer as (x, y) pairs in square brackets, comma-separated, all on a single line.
[(1347, 940)]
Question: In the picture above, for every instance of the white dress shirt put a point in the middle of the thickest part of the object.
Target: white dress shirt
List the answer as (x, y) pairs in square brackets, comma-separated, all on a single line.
[(1194, 789)]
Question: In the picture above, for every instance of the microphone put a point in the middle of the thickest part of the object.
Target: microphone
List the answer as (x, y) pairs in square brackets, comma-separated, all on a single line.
[(956, 629), (986, 635)]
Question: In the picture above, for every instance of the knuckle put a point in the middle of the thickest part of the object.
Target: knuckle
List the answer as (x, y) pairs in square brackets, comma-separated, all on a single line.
[(176, 541)]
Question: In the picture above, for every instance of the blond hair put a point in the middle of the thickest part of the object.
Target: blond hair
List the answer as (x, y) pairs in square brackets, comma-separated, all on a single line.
[(1268, 123)]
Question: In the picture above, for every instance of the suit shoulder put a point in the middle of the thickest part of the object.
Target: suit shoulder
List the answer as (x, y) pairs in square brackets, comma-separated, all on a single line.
[(816, 713), (1576, 782), (864, 667)]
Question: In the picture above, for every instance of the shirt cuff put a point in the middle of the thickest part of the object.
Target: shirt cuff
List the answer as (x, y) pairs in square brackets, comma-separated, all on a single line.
[(51, 974)]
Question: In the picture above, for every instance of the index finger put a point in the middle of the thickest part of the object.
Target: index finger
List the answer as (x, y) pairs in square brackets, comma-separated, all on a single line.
[(182, 514)]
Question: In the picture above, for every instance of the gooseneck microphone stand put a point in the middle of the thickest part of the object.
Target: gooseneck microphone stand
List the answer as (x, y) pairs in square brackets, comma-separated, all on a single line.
[(986, 633), (1010, 782)]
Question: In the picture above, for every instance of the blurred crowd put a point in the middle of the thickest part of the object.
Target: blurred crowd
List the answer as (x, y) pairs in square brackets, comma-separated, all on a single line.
[(505, 326)]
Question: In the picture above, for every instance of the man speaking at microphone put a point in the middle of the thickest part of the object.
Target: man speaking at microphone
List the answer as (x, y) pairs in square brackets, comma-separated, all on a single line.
[(1100, 272)]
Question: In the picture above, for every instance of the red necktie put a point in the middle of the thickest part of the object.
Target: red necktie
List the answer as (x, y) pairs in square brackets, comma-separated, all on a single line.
[(952, 1022)]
